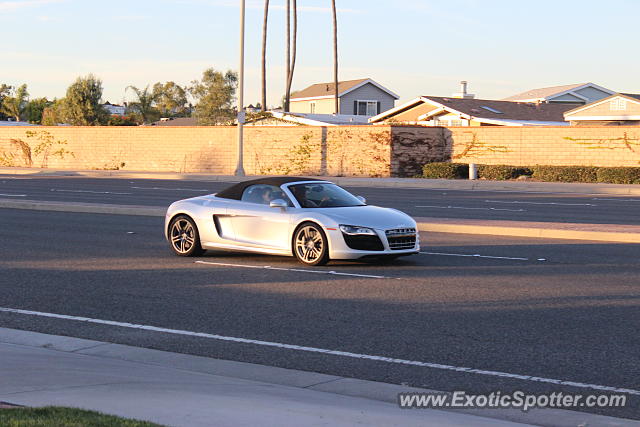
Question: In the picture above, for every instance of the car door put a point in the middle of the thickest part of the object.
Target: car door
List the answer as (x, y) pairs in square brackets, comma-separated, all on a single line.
[(256, 223)]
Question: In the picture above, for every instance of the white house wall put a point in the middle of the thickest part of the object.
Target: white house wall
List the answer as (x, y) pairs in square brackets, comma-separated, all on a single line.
[(367, 92)]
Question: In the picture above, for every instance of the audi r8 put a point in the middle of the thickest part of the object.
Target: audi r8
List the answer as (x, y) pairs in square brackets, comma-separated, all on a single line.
[(313, 220)]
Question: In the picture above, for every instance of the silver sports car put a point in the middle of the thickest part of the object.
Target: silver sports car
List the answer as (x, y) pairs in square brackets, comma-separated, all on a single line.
[(312, 219)]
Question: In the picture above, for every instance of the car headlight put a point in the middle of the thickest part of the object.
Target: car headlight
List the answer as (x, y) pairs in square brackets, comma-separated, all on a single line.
[(354, 230)]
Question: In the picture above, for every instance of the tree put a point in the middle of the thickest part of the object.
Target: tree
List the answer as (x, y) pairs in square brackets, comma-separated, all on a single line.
[(82, 106), (170, 99), (5, 90), (264, 55), (214, 96), (53, 114), (144, 104), (335, 56), (15, 104), (35, 109), (292, 58)]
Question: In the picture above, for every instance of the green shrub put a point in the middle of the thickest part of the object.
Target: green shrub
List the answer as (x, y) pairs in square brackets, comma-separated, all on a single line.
[(565, 173), (501, 172), (619, 175), (445, 170)]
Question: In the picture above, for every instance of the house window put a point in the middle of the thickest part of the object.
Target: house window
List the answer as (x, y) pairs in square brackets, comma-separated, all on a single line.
[(366, 108), (439, 122), (618, 104), (313, 107)]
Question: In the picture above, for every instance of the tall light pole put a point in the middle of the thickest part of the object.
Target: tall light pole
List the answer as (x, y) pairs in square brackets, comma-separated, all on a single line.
[(241, 114)]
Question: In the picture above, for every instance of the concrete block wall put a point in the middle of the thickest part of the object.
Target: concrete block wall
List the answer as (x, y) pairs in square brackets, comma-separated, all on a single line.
[(344, 150), (609, 146), (350, 150)]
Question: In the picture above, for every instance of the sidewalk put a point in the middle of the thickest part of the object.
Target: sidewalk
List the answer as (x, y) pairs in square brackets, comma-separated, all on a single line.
[(184, 390), (93, 375), (459, 184)]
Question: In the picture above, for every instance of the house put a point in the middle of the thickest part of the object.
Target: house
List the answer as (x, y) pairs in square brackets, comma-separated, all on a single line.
[(467, 111), (14, 123), (178, 121), (580, 93), (362, 97), (278, 118), (620, 109), (114, 109)]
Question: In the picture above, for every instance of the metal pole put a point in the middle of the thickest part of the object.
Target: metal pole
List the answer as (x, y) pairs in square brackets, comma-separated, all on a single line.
[(241, 115), (473, 171)]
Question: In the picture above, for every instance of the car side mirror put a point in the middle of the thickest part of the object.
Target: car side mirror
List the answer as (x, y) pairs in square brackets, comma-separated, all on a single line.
[(278, 203), (362, 199)]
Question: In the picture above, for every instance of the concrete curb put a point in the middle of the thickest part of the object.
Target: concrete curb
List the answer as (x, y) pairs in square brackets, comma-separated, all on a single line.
[(94, 208), (486, 227), (352, 387), (626, 234), (413, 183)]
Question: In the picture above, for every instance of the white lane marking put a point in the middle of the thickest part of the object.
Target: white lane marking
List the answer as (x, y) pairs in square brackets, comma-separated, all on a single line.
[(473, 209), (297, 270), (476, 256), (169, 189), (619, 200), (13, 195), (89, 191), (325, 351), (515, 202)]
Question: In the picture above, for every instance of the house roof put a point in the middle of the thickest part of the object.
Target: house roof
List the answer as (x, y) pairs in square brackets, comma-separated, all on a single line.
[(491, 110), (327, 90), (12, 123), (634, 97), (179, 121), (321, 119), (553, 91), (544, 92)]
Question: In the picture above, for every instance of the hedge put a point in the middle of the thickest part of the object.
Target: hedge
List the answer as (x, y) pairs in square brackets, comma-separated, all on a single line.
[(622, 175), (502, 172), (565, 173), (444, 170), (619, 175)]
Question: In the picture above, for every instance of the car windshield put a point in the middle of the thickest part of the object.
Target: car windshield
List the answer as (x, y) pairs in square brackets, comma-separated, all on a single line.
[(323, 196)]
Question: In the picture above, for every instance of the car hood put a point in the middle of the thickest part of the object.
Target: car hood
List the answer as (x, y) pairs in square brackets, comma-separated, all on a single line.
[(369, 216)]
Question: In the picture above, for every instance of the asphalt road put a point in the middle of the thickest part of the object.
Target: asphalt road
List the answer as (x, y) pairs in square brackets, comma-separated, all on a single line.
[(499, 205), (553, 309)]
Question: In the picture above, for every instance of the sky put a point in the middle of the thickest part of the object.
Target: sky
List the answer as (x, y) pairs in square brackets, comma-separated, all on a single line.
[(419, 47)]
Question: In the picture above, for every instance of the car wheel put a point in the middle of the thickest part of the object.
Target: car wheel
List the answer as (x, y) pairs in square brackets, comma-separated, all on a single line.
[(310, 244), (184, 237)]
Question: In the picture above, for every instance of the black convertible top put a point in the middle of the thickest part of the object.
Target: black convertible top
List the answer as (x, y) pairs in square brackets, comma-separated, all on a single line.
[(235, 191)]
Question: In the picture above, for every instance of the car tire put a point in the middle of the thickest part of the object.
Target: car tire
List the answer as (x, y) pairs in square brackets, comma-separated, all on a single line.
[(184, 237), (310, 244)]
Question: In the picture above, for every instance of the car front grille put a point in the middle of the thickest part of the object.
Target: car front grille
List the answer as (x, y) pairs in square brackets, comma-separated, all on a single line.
[(401, 238), (363, 242)]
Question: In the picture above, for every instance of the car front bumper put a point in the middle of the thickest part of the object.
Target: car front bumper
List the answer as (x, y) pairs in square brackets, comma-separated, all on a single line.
[(338, 248)]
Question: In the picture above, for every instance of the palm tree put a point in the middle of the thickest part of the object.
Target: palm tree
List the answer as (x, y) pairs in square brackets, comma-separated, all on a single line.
[(264, 55), (335, 56), (292, 60), (285, 104), (144, 104)]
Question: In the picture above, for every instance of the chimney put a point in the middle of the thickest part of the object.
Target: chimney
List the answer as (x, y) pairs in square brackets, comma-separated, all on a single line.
[(463, 94)]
